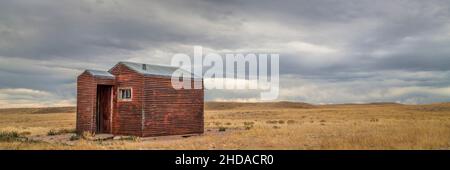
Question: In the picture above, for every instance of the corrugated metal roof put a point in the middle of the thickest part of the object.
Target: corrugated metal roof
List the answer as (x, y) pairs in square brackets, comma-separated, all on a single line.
[(151, 69), (99, 73)]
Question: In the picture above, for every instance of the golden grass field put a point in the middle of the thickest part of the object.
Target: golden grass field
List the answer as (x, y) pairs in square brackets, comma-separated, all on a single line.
[(254, 126)]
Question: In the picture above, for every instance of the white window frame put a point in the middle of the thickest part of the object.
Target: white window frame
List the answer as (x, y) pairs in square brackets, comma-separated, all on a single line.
[(119, 94)]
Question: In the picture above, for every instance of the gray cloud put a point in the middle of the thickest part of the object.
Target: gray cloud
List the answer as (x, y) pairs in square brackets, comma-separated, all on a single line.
[(360, 51)]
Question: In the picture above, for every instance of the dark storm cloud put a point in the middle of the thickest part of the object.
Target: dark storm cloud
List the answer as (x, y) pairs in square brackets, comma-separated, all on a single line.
[(329, 44), (75, 29)]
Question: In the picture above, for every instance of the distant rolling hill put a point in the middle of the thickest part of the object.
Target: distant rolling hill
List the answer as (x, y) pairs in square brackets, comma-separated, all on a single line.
[(208, 106), (44, 110), (240, 105), (225, 105)]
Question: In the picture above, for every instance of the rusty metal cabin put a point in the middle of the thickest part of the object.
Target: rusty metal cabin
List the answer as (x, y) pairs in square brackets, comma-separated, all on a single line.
[(137, 99)]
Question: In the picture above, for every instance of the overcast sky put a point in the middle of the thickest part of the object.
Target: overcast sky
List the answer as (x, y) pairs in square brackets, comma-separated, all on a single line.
[(331, 51)]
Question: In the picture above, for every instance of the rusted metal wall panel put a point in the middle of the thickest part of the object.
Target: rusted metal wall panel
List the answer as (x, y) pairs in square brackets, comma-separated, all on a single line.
[(155, 109), (168, 111), (127, 115), (86, 94), (87, 101)]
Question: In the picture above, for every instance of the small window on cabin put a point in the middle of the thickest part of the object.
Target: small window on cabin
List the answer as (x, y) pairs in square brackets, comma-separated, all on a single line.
[(125, 94)]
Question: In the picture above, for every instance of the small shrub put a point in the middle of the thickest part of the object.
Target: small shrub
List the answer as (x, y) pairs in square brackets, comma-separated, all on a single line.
[(271, 121), (290, 121), (53, 132), (74, 137), (281, 121), (276, 127), (87, 135), (222, 129), (322, 120), (228, 123), (249, 123), (10, 136), (130, 138)]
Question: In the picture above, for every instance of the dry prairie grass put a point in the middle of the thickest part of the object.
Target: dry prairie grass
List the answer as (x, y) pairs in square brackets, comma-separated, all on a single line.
[(264, 126)]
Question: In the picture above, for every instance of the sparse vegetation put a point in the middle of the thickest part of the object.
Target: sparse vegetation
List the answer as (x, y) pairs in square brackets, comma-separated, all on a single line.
[(248, 125), (222, 129), (53, 132), (374, 120), (290, 121), (87, 135), (10, 136), (74, 137), (130, 138), (272, 121), (370, 126)]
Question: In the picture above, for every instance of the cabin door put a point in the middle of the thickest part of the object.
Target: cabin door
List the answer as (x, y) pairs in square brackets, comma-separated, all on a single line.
[(104, 109)]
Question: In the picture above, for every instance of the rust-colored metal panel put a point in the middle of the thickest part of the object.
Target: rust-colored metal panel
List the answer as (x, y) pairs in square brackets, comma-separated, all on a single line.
[(169, 111), (155, 107), (127, 115), (85, 102)]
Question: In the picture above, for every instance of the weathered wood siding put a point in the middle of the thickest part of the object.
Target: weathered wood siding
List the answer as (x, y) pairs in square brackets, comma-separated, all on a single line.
[(171, 112), (155, 109), (86, 94), (127, 115), (86, 101)]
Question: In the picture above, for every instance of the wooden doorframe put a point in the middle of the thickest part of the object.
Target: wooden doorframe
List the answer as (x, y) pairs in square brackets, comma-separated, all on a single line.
[(111, 110), (100, 121)]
